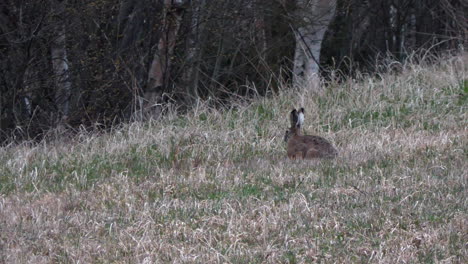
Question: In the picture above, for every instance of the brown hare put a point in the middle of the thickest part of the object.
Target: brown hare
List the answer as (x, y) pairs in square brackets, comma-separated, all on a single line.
[(305, 146)]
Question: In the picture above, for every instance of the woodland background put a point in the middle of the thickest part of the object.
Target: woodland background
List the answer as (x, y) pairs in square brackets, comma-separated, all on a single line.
[(152, 131), (98, 63)]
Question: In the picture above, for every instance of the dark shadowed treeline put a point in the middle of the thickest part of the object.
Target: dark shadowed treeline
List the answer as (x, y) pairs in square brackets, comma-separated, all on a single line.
[(365, 31), (98, 62)]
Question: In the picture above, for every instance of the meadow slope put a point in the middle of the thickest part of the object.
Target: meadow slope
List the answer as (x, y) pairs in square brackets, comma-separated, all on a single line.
[(214, 186)]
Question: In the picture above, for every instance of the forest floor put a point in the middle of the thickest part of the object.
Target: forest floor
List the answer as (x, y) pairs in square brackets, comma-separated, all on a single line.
[(215, 186)]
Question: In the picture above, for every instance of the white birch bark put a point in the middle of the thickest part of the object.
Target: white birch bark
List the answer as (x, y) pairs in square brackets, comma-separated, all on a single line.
[(60, 62), (314, 16)]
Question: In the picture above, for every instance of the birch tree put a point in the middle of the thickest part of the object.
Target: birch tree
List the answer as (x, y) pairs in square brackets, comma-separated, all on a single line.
[(60, 63), (312, 20)]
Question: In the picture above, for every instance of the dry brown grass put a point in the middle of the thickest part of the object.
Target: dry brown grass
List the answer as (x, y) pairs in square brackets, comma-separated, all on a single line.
[(214, 186)]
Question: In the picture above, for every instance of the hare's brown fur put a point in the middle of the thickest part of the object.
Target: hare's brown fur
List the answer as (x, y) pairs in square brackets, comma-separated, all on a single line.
[(306, 146)]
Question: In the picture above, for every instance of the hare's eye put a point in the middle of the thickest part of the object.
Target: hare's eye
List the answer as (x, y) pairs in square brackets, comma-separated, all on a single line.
[(286, 136)]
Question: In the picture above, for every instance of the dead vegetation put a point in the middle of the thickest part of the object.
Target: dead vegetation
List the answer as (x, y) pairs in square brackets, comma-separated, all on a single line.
[(214, 186)]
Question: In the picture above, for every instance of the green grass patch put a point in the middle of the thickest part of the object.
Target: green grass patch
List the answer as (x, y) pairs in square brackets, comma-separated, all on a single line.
[(216, 186)]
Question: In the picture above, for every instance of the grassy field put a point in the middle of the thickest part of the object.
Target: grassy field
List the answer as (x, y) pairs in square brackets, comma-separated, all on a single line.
[(215, 186)]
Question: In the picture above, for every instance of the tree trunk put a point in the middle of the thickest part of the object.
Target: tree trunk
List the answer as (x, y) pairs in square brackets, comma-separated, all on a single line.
[(60, 62), (314, 17), (130, 23), (160, 66), (194, 44)]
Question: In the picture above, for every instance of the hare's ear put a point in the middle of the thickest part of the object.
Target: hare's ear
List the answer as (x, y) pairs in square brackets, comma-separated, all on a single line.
[(293, 118), (300, 118)]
